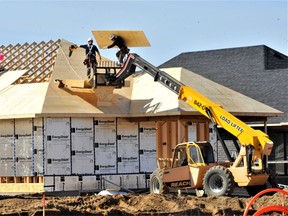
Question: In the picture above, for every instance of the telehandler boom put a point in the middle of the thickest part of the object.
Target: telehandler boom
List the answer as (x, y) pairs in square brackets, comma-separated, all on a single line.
[(193, 164)]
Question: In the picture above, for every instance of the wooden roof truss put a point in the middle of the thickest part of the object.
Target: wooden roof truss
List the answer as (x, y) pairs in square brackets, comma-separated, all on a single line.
[(37, 58)]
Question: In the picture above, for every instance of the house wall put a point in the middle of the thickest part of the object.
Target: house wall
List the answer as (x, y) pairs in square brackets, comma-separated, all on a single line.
[(7, 138), (103, 152), (89, 153), (170, 133)]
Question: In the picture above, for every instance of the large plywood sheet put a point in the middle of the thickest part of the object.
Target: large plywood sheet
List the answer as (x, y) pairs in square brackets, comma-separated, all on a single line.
[(22, 101), (82, 146), (128, 146), (57, 148), (9, 77), (153, 98), (105, 145), (147, 133), (7, 148), (23, 147), (131, 38)]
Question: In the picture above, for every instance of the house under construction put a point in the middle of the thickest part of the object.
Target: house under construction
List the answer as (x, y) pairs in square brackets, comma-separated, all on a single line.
[(80, 138)]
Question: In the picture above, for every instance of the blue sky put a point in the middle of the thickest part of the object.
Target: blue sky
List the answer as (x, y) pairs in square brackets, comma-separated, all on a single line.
[(172, 27)]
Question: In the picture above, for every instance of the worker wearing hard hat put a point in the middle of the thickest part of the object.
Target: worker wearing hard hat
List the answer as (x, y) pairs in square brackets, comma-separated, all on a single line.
[(90, 59), (120, 43)]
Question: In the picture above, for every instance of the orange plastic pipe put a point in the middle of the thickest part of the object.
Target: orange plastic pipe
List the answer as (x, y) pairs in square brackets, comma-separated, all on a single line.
[(261, 193), (271, 208)]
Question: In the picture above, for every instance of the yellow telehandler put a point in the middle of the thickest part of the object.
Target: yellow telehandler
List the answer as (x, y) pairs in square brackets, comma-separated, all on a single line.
[(193, 165)]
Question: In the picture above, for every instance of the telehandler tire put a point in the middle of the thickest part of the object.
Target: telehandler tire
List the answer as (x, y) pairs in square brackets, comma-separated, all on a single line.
[(156, 182), (218, 181)]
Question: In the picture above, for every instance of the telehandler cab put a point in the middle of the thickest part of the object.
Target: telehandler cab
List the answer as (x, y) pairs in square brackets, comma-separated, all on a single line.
[(193, 166)]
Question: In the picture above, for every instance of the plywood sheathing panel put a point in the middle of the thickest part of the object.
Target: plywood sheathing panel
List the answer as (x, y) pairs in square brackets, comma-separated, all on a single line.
[(202, 130), (166, 138), (105, 101), (132, 38), (71, 68), (77, 102), (170, 133), (151, 98), (22, 101), (9, 77), (232, 101), (143, 98), (182, 131), (69, 102)]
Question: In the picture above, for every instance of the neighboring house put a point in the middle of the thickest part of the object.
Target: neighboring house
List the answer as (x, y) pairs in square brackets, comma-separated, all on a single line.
[(258, 72), (75, 138)]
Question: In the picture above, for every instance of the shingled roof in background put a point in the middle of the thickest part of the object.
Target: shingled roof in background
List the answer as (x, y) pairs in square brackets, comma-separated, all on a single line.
[(256, 71)]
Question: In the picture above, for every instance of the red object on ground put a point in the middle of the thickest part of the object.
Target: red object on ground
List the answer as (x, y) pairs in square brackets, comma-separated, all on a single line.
[(43, 201), (268, 208)]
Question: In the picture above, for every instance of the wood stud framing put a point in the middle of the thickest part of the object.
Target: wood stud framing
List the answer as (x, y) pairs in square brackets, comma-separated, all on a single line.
[(22, 179), (37, 58)]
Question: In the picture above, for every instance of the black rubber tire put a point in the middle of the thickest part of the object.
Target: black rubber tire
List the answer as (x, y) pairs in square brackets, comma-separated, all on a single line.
[(156, 182), (218, 181)]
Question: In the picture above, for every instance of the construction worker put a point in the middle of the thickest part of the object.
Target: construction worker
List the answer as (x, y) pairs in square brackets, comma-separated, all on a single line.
[(120, 43), (90, 59)]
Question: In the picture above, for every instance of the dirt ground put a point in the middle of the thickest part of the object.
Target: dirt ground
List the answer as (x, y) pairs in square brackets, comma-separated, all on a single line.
[(130, 204)]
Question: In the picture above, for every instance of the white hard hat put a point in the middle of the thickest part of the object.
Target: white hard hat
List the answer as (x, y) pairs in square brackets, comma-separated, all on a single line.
[(111, 36), (89, 39)]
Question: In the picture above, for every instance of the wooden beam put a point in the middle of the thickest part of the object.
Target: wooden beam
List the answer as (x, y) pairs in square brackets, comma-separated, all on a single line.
[(7, 188)]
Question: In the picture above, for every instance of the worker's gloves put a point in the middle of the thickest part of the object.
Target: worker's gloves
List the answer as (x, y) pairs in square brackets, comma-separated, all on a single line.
[(72, 48)]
